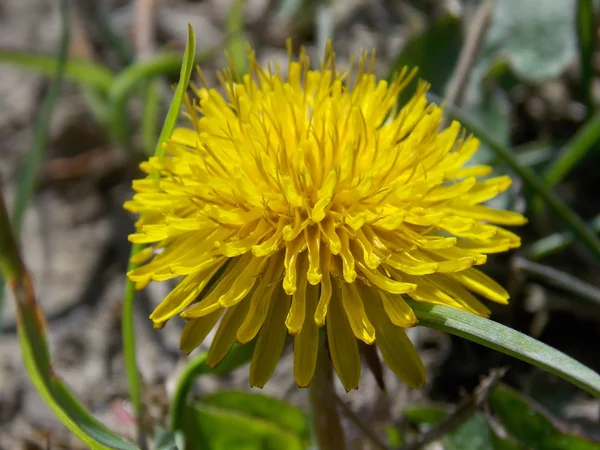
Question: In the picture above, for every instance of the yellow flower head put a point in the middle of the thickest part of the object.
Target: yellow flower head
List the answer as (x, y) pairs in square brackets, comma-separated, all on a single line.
[(314, 200)]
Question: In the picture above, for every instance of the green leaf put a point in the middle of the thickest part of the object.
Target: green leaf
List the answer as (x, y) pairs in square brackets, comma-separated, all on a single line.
[(210, 428), (434, 52), (84, 72), (127, 323), (237, 356), (526, 422), (476, 434), (273, 410), (501, 338), (536, 36)]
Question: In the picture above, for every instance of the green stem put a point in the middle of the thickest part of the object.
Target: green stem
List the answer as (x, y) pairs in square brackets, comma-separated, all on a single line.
[(327, 426), (194, 368), (129, 353)]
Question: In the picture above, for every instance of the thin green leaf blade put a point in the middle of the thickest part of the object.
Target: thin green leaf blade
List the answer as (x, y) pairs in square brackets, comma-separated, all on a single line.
[(574, 152), (184, 79), (503, 339)]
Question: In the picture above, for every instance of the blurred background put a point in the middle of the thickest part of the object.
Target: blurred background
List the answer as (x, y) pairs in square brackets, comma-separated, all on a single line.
[(523, 71)]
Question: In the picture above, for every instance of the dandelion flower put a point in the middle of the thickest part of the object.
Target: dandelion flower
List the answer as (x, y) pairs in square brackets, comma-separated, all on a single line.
[(313, 200)]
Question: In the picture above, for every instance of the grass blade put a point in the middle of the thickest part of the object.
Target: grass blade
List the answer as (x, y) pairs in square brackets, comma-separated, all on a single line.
[(36, 357), (503, 339), (575, 151), (127, 325)]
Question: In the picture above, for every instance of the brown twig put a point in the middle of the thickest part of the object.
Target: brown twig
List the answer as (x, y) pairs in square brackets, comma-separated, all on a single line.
[(468, 53), (463, 411)]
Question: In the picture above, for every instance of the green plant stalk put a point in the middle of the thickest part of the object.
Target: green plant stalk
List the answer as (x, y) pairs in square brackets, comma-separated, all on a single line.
[(327, 426), (573, 221), (36, 153), (86, 73), (184, 385), (127, 321), (503, 339), (128, 336)]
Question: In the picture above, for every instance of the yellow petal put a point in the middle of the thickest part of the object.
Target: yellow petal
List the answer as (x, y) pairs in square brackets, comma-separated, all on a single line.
[(398, 310), (270, 340), (183, 295), (195, 331), (295, 318), (226, 333), (479, 212), (353, 306), (342, 344), (480, 283), (306, 343), (327, 228), (326, 290), (461, 295), (397, 350), (386, 283), (313, 240), (239, 270), (292, 250)]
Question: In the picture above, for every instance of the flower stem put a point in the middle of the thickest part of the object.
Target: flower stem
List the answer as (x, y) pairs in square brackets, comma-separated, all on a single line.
[(327, 427)]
